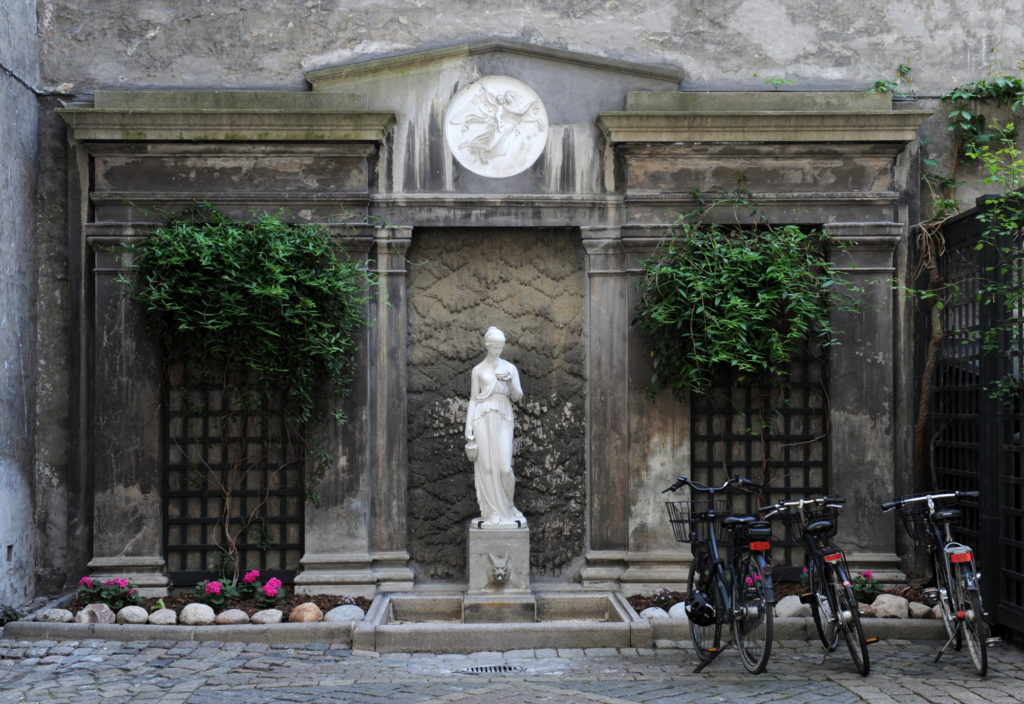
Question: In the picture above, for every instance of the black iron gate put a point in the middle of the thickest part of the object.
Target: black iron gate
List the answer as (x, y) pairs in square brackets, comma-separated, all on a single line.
[(245, 463), (777, 433), (976, 416)]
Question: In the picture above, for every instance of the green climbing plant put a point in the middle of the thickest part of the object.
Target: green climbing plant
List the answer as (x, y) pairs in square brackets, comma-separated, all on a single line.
[(743, 296), (263, 313), (971, 129), (895, 84)]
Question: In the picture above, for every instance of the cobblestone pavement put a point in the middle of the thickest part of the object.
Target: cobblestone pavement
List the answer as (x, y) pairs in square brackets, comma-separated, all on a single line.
[(223, 673)]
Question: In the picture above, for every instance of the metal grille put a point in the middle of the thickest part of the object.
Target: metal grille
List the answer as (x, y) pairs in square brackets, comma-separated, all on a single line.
[(977, 417), (778, 435), (252, 453)]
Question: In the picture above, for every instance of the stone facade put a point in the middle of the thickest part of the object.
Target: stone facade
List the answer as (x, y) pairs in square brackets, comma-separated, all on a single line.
[(320, 110), (19, 152)]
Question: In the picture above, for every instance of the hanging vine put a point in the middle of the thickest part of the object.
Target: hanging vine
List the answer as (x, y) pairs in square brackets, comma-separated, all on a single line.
[(737, 300), (263, 311)]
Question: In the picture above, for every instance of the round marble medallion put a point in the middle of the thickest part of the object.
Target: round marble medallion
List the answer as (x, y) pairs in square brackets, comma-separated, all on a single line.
[(496, 126)]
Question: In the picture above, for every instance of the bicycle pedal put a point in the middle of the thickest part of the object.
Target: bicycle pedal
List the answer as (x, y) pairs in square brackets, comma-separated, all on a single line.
[(807, 597), (994, 642)]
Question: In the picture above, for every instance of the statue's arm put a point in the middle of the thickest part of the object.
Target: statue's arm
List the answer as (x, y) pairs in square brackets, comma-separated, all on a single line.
[(515, 387), (474, 391)]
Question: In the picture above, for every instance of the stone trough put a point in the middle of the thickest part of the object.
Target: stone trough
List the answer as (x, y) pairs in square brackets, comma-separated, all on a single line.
[(457, 624)]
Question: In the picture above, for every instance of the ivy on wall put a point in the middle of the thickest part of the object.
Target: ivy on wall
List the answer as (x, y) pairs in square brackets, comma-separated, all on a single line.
[(266, 312), (737, 296)]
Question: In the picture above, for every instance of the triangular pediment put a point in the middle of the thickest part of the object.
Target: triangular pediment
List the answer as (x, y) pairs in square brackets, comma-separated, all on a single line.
[(484, 52)]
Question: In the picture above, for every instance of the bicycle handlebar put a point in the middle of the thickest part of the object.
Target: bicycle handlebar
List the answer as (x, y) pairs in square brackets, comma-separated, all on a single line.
[(889, 505), (682, 481), (831, 501)]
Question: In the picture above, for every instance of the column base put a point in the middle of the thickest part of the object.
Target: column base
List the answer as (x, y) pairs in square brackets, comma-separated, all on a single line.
[(647, 571), (354, 574), (884, 565), (603, 570), (145, 572)]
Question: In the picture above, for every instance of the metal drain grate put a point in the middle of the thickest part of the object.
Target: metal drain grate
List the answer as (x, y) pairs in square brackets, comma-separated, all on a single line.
[(490, 670)]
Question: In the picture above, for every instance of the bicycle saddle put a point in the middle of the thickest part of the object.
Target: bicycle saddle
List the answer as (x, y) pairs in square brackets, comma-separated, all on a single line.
[(946, 514), (819, 527)]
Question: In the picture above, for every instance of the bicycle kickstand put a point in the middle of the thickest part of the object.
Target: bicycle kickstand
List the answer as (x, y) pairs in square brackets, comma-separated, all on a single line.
[(711, 658), (945, 647)]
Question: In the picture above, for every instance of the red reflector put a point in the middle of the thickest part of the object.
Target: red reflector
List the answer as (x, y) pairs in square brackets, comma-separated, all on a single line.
[(960, 557), (834, 557), (761, 545), (961, 614)]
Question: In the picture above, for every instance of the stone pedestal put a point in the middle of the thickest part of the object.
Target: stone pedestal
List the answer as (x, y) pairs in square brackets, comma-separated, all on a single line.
[(499, 576)]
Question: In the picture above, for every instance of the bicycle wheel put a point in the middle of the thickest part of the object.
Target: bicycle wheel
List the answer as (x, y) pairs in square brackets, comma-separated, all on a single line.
[(848, 618), (946, 597), (706, 639), (973, 626), (752, 612), (822, 610)]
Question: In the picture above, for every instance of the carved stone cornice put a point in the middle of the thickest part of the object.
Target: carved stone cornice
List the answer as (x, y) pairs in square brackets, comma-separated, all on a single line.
[(622, 127), (226, 116)]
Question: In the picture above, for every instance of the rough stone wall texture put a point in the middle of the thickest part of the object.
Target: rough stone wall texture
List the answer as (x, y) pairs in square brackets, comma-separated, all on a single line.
[(529, 283), (18, 153), (722, 44)]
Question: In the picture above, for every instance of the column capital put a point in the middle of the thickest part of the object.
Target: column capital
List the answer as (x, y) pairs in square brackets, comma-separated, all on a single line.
[(865, 248), (605, 251), (391, 244)]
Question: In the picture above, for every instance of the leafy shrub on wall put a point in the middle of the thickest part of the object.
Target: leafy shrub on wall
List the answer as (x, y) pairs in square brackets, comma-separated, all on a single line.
[(265, 313), (741, 296)]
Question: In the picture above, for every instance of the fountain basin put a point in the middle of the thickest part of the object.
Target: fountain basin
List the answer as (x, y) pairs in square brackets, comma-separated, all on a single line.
[(451, 623)]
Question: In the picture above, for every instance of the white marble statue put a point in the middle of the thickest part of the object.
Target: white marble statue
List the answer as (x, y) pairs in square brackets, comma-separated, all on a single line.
[(489, 422)]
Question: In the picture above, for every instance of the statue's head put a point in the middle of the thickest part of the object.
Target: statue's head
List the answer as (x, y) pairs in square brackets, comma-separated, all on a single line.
[(494, 339)]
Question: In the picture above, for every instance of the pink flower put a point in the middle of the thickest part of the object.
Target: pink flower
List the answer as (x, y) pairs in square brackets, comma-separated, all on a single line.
[(213, 587), (269, 590), (131, 591), (804, 570), (86, 582), (274, 583), (750, 582), (250, 577), (867, 574)]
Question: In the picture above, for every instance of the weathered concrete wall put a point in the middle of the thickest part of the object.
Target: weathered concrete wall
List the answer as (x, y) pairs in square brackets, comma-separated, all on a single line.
[(722, 44), (18, 154), (530, 285)]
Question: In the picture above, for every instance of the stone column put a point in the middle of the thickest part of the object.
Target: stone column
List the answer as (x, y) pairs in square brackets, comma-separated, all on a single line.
[(863, 396), (388, 412), (337, 542), (125, 448), (659, 450), (607, 329)]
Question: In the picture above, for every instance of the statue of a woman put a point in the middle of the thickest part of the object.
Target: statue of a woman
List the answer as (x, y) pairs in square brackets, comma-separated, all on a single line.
[(489, 422)]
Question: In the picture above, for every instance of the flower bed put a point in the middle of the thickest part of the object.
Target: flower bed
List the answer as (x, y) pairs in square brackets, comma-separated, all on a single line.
[(250, 596)]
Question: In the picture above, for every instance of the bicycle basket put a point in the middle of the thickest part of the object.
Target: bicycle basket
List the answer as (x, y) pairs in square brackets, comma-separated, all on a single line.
[(916, 518), (795, 523), (688, 518)]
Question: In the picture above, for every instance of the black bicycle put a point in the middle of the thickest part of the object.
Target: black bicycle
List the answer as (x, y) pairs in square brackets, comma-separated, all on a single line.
[(741, 595), (928, 519), (812, 524)]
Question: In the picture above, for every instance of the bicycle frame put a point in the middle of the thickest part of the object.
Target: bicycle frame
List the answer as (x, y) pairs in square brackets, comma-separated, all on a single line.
[(957, 589), (833, 604), (743, 595)]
